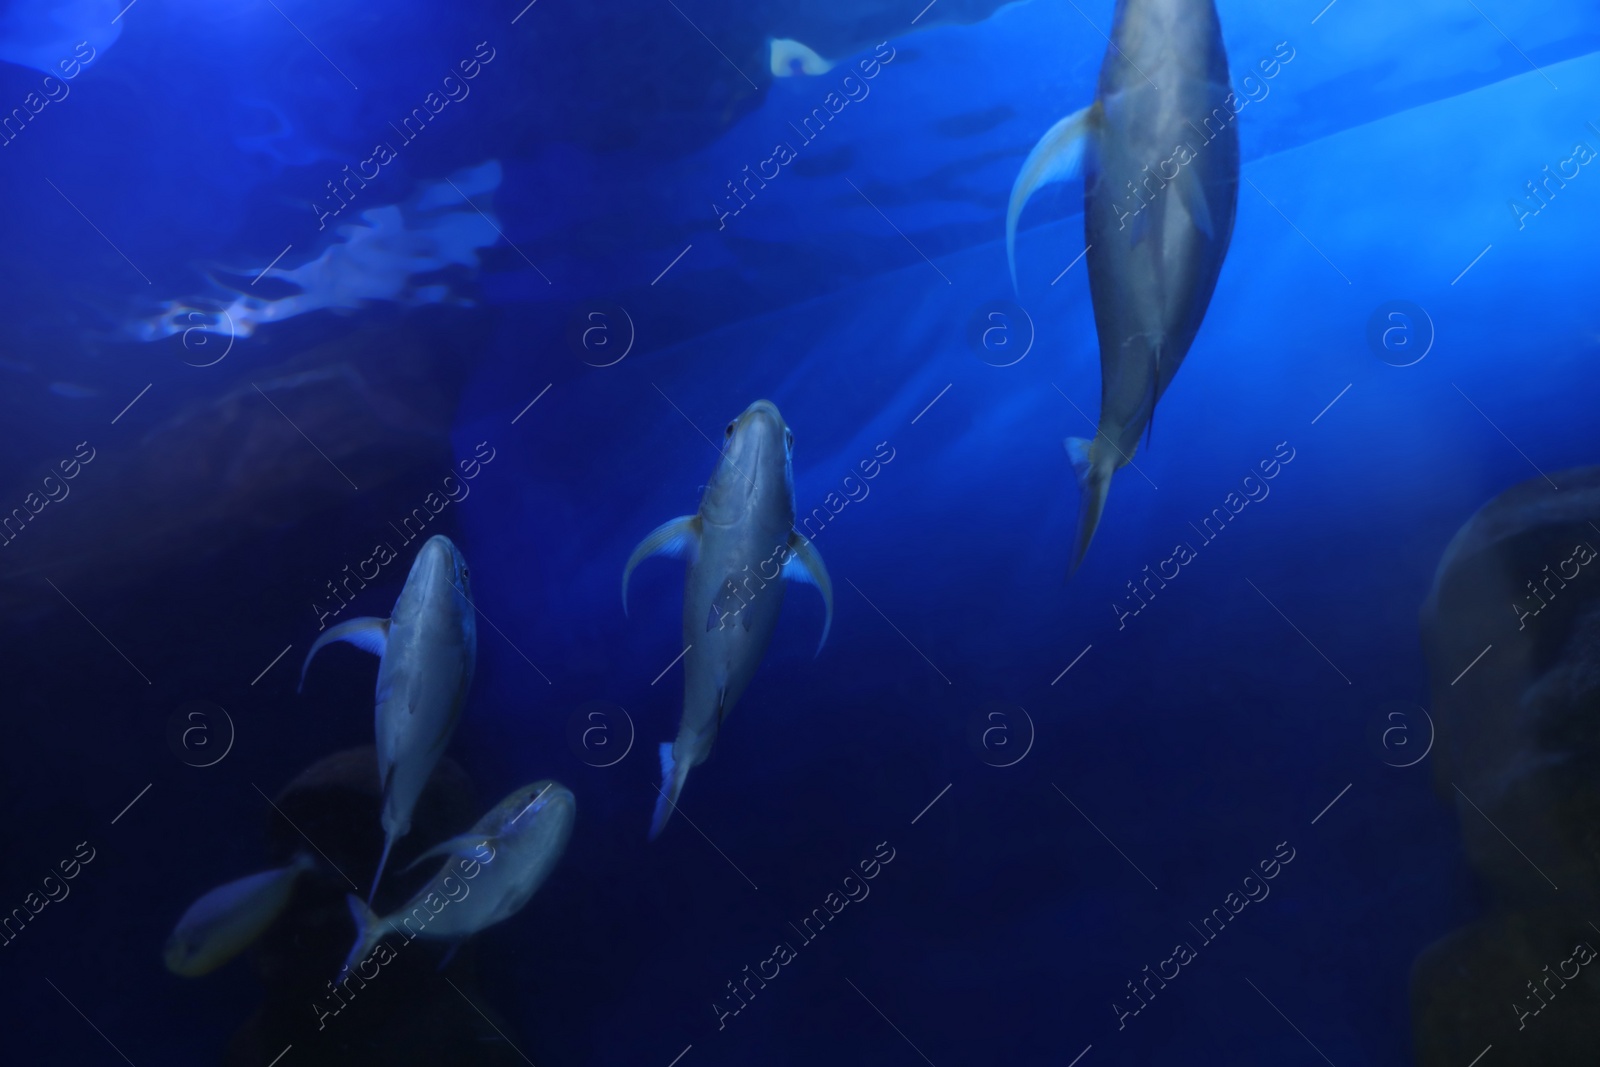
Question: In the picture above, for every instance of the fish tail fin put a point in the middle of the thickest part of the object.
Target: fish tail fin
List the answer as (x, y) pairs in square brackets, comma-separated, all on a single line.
[(673, 774), (368, 932), (1094, 484), (383, 861), (1058, 157)]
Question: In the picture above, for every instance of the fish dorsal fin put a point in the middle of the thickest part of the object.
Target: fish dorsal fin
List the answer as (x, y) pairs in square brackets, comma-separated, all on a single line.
[(1058, 157), (367, 633), (679, 539), (805, 565)]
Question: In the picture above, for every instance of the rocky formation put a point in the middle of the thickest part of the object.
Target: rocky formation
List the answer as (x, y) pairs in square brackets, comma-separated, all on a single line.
[(409, 1013), (1518, 754)]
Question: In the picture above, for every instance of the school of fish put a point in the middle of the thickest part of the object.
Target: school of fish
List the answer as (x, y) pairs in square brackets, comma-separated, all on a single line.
[(1155, 244)]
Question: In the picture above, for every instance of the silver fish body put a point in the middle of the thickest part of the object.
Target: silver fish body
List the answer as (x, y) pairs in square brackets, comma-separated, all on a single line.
[(491, 872), (1152, 263), (1159, 153), (428, 650), (228, 919), (740, 545)]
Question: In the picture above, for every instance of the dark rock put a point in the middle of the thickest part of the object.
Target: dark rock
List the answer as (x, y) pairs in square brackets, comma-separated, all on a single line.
[(412, 1011), (275, 446), (1470, 990), (1518, 754), (1518, 733)]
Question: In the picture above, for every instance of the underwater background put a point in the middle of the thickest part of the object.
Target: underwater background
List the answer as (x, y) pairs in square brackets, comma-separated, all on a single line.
[(282, 277)]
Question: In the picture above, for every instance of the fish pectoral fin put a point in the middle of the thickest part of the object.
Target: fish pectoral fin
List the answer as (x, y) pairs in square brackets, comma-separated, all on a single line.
[(805, 565), (459, 845), (679, 539), (367, 633), (1058, 157)]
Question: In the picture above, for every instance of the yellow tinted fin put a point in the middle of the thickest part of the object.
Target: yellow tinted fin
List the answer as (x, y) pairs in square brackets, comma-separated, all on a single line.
[(1058, 157)]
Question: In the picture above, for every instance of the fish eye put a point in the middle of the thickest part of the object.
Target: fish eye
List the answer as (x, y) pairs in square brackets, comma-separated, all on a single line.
[(729, 431), (788, 438), (465, 573)]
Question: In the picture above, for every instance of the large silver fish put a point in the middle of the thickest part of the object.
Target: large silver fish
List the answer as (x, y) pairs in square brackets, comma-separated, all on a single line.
[(1159, 150), (491, 872), (428, 649), (740, 545), (225, 921)]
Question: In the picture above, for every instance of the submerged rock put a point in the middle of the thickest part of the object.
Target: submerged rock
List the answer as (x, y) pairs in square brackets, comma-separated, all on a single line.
[(1519, 730), (1511, 630), (408, 1013), (1499, 981), (265, 449)]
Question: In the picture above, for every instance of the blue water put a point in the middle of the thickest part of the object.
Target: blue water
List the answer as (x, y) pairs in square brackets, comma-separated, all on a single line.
[(551, 271)]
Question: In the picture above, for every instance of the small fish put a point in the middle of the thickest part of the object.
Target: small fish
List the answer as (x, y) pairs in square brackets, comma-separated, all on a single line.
[(225, 921), (524, 835), (73, 391), (745, 521), (789, 58), (427, 652), (1159, 153)]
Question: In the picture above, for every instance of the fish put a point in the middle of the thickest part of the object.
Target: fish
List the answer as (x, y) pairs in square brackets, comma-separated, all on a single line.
[(524, 835), (427, 649), (1160, 162), (227, 920), (745, 521)]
